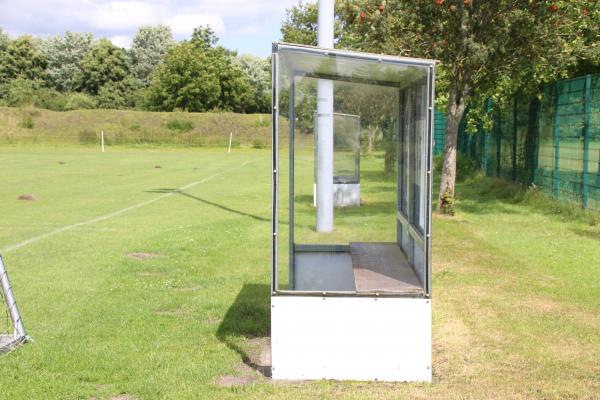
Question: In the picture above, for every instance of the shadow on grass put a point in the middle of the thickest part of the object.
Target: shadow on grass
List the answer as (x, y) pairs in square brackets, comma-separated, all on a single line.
[(210, 203), (248, 318)]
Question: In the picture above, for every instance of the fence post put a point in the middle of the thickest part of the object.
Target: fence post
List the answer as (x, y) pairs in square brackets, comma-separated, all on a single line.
[(556, 136), (498, 128), (486, 140), (514, 139), (586, 141)]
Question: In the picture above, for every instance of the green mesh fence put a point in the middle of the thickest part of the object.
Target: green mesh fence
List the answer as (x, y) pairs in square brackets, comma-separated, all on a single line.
[(439, 132), (552, 142)]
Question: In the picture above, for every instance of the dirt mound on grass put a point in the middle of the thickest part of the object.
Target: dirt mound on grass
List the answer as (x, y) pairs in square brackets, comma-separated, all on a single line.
[(27, 197), (142, 256)]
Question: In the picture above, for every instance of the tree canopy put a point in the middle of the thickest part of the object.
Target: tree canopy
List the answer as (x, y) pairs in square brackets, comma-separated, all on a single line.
[(64, 54), (149, 46), (104, 63)]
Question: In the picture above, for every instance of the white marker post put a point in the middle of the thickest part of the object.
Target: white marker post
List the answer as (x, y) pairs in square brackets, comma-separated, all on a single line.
[(230, 138), (102, 140), (325, 125)]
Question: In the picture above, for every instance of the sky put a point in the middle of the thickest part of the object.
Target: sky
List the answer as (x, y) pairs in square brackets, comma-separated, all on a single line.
[(248, 26)]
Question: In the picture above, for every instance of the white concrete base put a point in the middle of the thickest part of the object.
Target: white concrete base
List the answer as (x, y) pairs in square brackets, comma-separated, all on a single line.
[(344, 194), (351, 338)]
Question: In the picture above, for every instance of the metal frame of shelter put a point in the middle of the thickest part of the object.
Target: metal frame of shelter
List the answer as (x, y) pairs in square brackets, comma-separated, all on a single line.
[(403, 219), (359, 310)]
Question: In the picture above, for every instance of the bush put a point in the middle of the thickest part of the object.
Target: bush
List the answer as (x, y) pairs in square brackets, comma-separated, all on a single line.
[(22, 92), (466, 167), (258, 144), (120, 95), (182, 125), (79, 101)]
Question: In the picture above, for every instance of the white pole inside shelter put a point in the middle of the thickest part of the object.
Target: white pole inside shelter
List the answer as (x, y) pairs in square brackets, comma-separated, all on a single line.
[(325, 125)]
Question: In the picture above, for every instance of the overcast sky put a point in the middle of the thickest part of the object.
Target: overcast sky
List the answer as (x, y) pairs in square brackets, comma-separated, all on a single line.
[(250, 26)]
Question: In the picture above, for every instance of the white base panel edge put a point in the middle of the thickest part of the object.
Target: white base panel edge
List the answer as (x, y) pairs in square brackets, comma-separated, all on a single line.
[(351, 338)]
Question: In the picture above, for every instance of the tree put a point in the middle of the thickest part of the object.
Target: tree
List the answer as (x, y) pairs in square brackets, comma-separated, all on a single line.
[(235, 89), (204, 38), (149, 47), (65, 54), (104, 63), (4, 40), (186, 80), (22, 59), (198, 76), (257, 71), (300, 24)]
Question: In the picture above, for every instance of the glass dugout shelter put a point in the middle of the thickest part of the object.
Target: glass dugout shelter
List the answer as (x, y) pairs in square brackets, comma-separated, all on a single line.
[(351, 286)]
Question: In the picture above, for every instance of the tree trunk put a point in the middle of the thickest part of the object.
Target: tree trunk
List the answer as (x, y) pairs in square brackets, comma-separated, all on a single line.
[(456, 110), (371, 137)]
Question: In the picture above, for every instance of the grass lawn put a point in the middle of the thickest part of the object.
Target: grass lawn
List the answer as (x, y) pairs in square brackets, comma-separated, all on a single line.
[(132, 290)]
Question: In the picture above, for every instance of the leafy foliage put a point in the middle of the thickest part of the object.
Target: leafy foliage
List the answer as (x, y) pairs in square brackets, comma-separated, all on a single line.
[(197, 76), (80, 101), (22, 59), (120, 94), (257, 70), (186, 80), (104, 63), (149, 46), (64, 54), (73, 71)]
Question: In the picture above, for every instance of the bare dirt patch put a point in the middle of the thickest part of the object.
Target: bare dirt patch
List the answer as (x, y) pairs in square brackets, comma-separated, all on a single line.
[(157, 166), (230, 380), (142, 256), (256, 364), (61, 162), (150, 273), (187, 288), (258, 355), (123, 397), (27, 197)]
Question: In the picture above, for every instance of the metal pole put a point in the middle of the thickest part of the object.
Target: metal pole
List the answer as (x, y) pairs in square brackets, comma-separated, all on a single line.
[(586, 142), (325, 125), (102, 140), (11, 303)]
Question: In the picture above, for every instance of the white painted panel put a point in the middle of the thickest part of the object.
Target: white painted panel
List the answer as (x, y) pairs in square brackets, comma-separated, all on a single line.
[(352, 338)]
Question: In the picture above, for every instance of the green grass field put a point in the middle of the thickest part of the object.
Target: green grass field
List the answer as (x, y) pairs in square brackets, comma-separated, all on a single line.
[(132, 289)]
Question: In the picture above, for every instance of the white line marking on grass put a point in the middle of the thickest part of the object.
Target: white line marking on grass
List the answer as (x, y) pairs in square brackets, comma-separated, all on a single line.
[(119, 212)]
